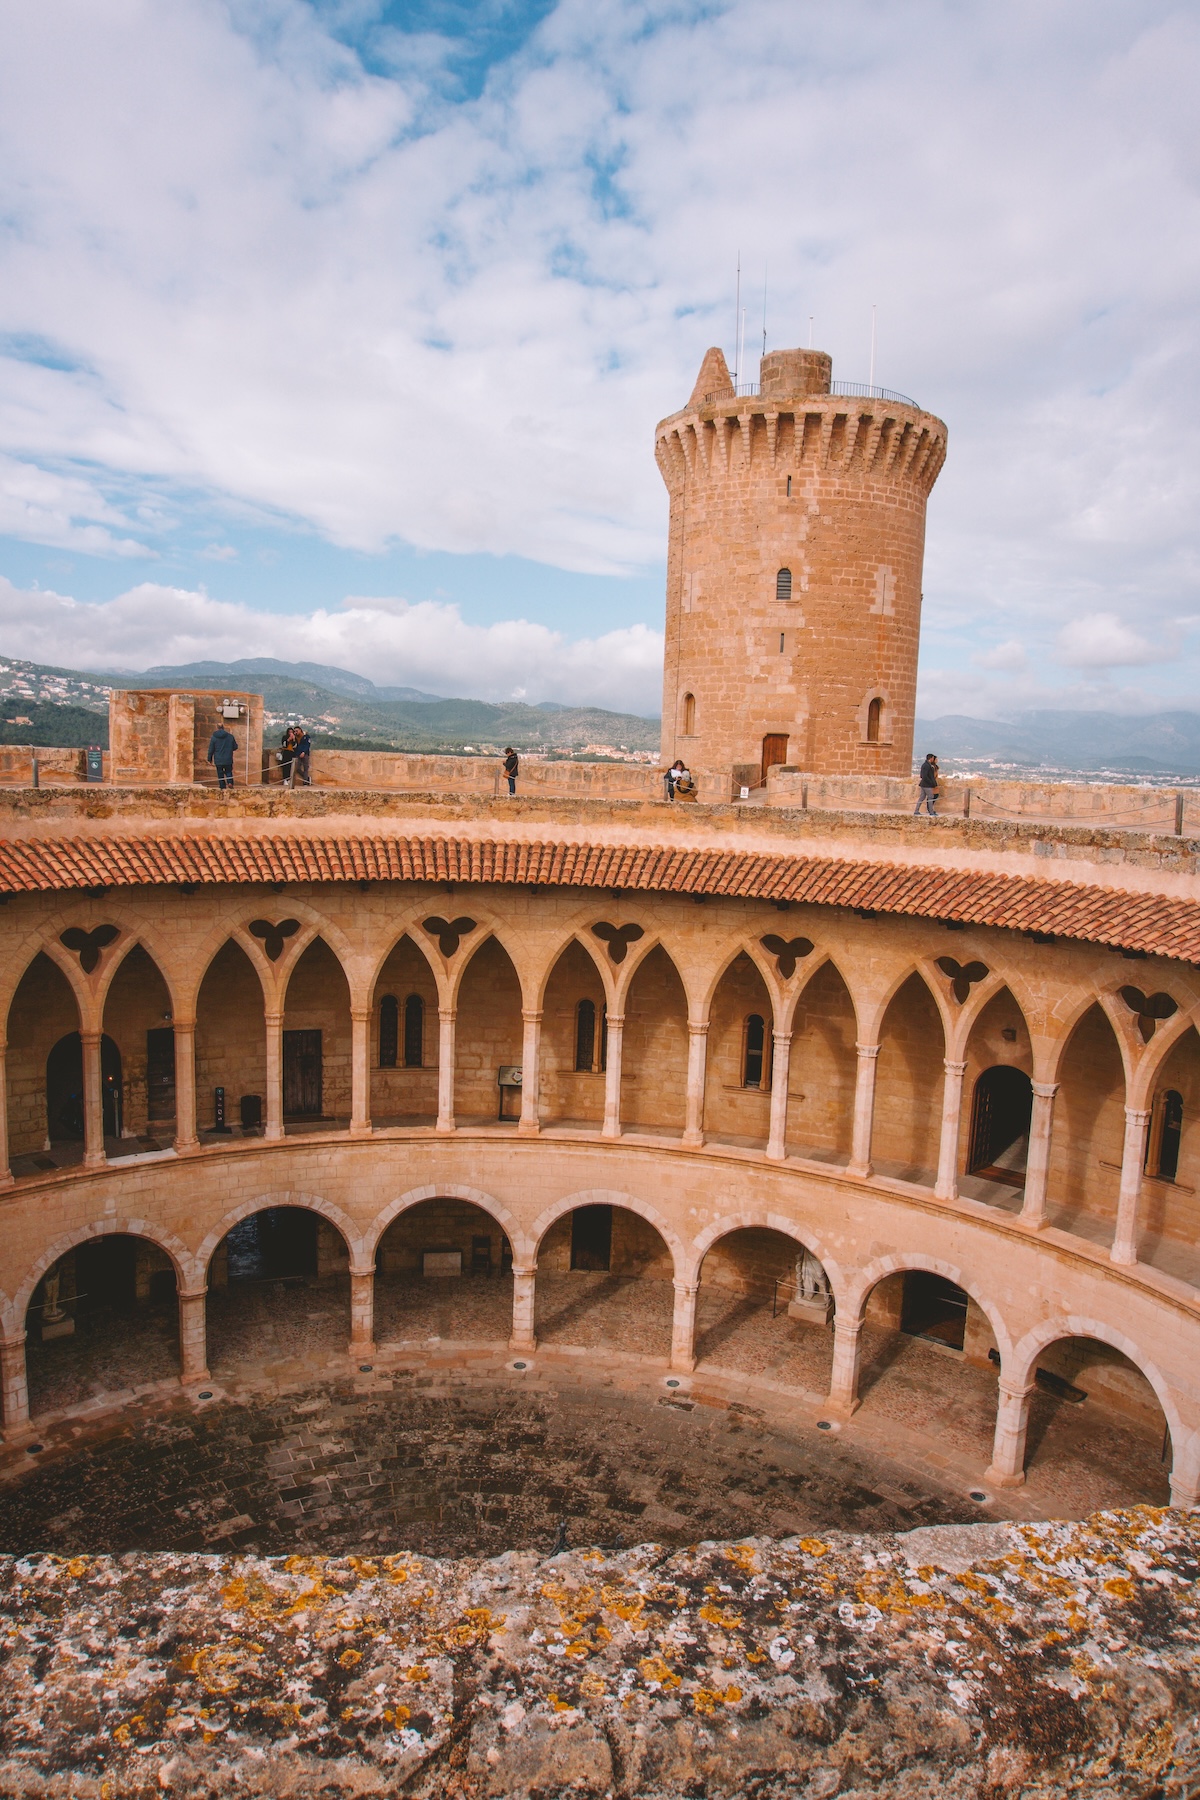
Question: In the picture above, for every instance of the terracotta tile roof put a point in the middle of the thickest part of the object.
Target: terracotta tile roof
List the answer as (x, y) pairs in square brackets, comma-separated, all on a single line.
[(1157, 923)]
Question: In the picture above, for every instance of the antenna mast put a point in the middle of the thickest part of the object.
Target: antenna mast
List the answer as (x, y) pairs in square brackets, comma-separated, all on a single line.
[(737, 319), (764, 348), (871, 377)]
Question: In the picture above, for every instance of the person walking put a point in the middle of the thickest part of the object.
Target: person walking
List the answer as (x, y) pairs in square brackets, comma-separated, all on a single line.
[(927, 785), (512, 765), (303, 750), (221, 746)]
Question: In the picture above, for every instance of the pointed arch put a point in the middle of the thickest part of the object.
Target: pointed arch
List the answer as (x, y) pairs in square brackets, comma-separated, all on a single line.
[(806, 973)]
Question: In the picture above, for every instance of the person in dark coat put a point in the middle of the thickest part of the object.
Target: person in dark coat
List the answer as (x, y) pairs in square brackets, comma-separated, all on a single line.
[(287, 755), (512, 764), (303, 750), (221, 746), (927, 783)]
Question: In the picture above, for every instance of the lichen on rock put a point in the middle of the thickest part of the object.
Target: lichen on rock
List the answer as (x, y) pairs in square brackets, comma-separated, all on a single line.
[(1014, 1660)]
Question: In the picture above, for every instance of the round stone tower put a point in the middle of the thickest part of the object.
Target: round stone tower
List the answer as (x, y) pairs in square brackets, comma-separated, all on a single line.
[(794, 572)]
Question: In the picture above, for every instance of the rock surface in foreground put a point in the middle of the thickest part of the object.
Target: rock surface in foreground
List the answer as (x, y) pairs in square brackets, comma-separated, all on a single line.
[(983, 1661)]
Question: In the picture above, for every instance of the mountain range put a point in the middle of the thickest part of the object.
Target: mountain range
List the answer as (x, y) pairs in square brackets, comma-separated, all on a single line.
[(46, 705), (1149, 744)]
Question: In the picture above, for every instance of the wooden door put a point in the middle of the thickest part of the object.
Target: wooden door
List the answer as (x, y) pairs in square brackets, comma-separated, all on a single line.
[(160, 1073), (774, 751), (302, 1074)]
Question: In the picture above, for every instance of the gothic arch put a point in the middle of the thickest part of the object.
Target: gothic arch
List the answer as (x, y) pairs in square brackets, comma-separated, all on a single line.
[(581, 935), (752, 951), (812, 967), (412, 932)]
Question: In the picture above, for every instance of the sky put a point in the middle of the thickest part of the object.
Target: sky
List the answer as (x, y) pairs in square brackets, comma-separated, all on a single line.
[(337, 330)]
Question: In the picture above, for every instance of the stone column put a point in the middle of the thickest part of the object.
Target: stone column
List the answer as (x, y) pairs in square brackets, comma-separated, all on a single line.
[(1008, 1448), (693, 1129), (6, 1174), (1133, 1157), (946, 1187), (1185, 1490), (360, 1073), (612, 1077), (186, 1137), (93, 1101), (683, 1326), (781, 1067), (362, 1312), (523, 1301), (864, 1109), (531, 1050), (14, 1388), (193, 1337), (843, 1382), (274, 1125), (445, 1112), (1037, 1167)]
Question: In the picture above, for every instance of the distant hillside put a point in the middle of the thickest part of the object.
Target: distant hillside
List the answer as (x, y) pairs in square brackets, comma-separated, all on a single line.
[(1154, 744), (357, 713)]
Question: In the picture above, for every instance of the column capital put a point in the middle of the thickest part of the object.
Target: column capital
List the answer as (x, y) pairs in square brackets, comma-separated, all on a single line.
[(954, 1068), (847, 1327), (867, 1050), (362, 1014), (520, 1272), (686, 1287), (178, 1024), (1044, 1090), (271, 1019), (531, 1015), (192, 1293), (614, 1021), (698, 1027), (1137, 1115), (369, 1270), (782, 1037), (1015, 1390), (15, 1342), (447, 1014), (90, 1035)]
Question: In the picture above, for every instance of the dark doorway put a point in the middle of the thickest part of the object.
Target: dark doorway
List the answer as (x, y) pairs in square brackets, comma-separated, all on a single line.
[(64, 1089), (160, 1073), (1000, 1115), (934, 1308), (774, 750), (279, 1244), (1165, 1143), (302, 1074), (591, 1237)]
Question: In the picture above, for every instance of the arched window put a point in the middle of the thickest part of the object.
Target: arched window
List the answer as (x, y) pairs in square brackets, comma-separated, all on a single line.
[(414, 1032), (389, 1031), (753, 1053), (783, 585), (874, 720), (1163, 1159), (585, 1036), (689, 715)]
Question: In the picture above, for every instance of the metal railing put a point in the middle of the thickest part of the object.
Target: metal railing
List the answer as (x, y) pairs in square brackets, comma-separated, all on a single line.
[(849, 390)]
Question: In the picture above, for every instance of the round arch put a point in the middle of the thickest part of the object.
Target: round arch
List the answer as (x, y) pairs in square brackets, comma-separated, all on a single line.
[(264, 1203), (1075, 1325), (762, 1220), (877, 1271), (446, 1190), (112, 1225), (610, 1197)]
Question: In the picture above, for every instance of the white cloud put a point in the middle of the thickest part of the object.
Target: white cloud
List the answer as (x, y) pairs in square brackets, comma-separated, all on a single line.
[(427, 645), (63, 510), (1103, 641), (1008, 657)]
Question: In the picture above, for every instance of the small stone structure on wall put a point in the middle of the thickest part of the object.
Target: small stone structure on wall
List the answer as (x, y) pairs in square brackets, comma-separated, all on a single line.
[(162, 734)]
